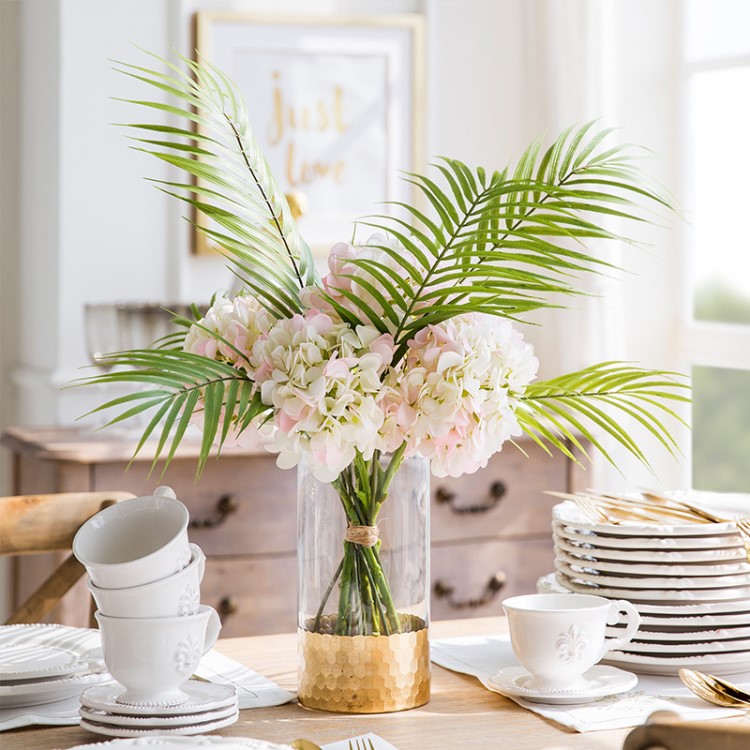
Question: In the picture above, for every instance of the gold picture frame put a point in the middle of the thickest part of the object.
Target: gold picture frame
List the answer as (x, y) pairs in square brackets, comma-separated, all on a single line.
[(336, 104)]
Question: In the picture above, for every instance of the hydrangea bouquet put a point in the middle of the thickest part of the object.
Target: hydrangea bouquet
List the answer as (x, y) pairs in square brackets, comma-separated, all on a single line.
[(408, 344)]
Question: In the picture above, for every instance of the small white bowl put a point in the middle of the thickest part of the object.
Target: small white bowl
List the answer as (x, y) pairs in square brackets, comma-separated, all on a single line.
[(177, 595), (135, 542)]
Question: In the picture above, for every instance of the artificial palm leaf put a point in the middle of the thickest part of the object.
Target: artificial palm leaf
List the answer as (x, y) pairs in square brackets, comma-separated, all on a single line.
[(594, 400), (178, 385), (505, 244), (231, 184)]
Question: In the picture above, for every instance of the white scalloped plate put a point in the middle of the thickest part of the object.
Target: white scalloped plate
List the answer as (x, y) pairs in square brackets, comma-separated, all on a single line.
[(651, 583), (625, 563), (162, 742), (188, 729), (671, 597), (728, 663), (684, 636), (570, 514), (202, 696), (38, 651), (646, 543), (689, 616)]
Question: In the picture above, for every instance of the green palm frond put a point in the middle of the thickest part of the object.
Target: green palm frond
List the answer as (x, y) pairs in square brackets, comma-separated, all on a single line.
[(594, 401), (176, 386), (506, 243), (232, 185)]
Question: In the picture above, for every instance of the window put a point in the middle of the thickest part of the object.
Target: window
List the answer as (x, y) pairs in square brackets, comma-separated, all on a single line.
[(716, 158)]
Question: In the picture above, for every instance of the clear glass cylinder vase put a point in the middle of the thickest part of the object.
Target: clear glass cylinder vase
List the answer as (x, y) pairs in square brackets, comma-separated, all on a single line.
[(363, 587)]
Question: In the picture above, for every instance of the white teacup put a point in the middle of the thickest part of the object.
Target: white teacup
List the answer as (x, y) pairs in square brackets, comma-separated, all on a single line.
[(153, 656), (559, 637), (177, 595), (135, 542)]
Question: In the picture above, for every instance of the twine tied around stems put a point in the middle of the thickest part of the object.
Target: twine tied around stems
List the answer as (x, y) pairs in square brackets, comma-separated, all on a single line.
[(364, 536)]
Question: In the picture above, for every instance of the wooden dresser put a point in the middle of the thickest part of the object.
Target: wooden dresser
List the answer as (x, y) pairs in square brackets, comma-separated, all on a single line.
[(491, 535)]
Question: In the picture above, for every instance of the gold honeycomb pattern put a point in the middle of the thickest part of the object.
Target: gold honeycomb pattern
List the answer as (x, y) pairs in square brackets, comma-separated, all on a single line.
[(364, 673)]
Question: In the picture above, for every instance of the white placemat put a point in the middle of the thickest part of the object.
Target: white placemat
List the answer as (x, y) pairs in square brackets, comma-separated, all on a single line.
[(482, 657), (253, 691)]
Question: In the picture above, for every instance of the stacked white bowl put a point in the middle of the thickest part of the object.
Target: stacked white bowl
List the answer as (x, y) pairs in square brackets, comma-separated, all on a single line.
[(145, 577), (690, 582)]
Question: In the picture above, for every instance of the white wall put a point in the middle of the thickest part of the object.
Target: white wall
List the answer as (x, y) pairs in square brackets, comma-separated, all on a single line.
[(91, 228)]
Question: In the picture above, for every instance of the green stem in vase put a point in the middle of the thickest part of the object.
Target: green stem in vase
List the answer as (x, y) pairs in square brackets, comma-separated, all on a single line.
[(365, 601)]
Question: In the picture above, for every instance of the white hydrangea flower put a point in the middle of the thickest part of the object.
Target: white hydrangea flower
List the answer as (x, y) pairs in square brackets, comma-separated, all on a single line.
[(322, 379)]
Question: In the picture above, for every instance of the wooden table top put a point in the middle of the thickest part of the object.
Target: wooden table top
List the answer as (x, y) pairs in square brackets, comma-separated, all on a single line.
[(461, 713)]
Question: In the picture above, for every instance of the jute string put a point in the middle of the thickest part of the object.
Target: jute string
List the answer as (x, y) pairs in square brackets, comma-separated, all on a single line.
[(364, 536)]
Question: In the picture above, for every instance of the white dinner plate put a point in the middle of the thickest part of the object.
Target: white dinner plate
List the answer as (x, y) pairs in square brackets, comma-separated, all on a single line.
[(652, 583), (202, 696), (34, 652), (599, 682), (698, 648), (689, 615), (570, 514), (185, 730), (682, 635), (651, 542), (167, 742), (661, 596), (590, 559), (729, 663), (31, 693)]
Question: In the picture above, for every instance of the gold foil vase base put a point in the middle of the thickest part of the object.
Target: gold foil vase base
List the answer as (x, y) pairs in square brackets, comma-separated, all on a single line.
[(364, 673)]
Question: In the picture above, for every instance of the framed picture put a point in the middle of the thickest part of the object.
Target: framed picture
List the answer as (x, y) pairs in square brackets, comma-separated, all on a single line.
[(335, 104)]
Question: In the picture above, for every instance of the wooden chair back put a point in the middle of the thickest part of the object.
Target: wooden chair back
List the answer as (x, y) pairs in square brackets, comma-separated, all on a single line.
[(33, 524)]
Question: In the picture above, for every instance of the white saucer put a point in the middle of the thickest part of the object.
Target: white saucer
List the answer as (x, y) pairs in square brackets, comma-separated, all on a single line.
[(599, 682), (183, 743), (187, 729), (202, 696), (154, 722)]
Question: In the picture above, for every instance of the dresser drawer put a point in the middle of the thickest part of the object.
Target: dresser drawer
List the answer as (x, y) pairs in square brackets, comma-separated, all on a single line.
[(468, 570), (505, 499), (240, 506), (252, 595)]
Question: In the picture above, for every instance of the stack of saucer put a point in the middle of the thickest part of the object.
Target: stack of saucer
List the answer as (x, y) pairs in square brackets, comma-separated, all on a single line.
[(145, 577), (690, 582), (207, 707)]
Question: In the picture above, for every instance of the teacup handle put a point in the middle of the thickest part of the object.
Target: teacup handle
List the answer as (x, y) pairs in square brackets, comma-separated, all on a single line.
[(632, 618), (212, 630)]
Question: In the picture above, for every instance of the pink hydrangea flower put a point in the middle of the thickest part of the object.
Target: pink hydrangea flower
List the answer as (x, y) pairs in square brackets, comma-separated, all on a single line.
[(453, 399)]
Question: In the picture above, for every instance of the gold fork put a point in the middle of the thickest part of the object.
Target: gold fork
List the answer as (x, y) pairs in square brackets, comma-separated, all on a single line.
[(360, 745)]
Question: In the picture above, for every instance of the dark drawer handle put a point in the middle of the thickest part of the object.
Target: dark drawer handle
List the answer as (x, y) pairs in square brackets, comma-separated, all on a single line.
[(225, 507), (228, 605), (445, 591), (446, 497)]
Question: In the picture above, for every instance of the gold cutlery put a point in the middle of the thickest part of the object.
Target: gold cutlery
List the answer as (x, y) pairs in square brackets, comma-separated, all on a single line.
[(360, 745), (714, 689), (304, 745)]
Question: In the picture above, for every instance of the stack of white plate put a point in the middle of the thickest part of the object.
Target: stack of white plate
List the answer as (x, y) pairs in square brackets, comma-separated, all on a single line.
[(46, 663), (206, 708), (690, 583)]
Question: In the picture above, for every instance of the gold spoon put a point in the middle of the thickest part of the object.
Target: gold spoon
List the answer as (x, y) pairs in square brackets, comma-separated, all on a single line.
[(713, 689), (304, 745)]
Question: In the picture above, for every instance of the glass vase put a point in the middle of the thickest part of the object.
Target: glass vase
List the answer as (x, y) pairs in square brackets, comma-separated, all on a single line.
[(363, 597)]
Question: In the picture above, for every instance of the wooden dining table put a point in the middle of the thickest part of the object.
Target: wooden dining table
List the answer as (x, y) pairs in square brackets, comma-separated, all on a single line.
[(461, 713)]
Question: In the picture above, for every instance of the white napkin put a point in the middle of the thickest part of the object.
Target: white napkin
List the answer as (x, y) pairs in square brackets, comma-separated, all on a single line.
[(253, 691), (378, 743), (482, 657)]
